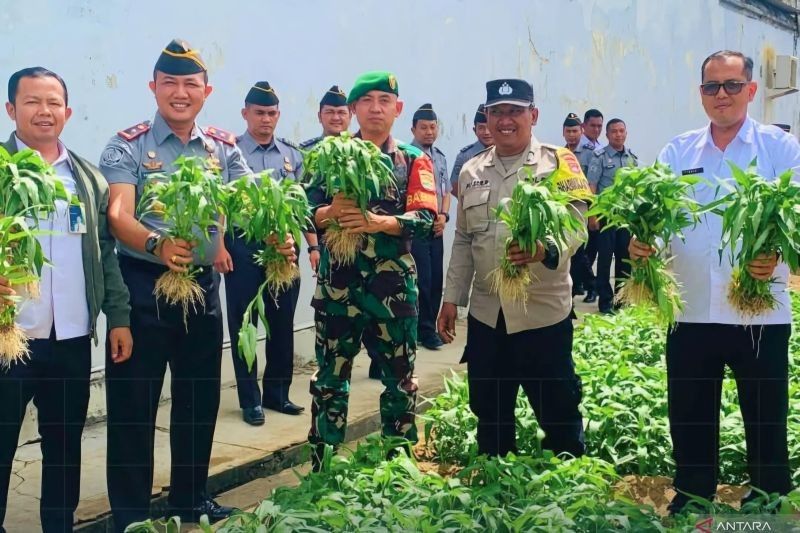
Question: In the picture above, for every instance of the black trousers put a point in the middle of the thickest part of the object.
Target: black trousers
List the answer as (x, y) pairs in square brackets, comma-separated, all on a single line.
[(538, 360), (429, 257), (611, 243), (241, 286), (580, 270), (56, 378), (696, 359), (591, 248), (133, 389)]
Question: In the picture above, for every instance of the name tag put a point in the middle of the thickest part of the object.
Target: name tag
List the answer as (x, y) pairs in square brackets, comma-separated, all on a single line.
[(77, 218), (689, 171)]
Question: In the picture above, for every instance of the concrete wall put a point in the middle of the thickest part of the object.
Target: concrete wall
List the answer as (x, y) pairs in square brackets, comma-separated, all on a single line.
[(638, 60)]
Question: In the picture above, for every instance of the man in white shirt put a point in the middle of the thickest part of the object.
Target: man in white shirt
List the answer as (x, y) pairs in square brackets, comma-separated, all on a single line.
[(710, 334), (83, 280)]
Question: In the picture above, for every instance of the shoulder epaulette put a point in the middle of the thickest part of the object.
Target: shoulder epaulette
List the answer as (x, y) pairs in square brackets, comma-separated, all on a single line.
[(467, 147), (590, 146), (310, 142), (289, 143), (133, 132), (633, 155), (220, 135), (553, 147), (600, 150)]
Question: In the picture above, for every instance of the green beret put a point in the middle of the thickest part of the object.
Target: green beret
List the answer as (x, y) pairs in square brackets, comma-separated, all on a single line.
[(261, 94), (334, 97), (179, 59), (377, 80)]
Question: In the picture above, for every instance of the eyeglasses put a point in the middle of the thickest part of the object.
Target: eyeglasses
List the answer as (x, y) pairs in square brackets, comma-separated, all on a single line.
[(732, 87)]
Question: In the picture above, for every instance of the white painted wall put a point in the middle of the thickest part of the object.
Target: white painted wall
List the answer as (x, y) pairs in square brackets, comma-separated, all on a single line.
[(637, 60)]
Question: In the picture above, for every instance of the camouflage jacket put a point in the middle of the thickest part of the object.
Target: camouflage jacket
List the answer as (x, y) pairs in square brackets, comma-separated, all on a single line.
[(382, 281)]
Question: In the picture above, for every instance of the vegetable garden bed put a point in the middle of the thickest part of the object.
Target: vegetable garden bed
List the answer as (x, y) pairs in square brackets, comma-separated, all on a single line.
[(621, 484)]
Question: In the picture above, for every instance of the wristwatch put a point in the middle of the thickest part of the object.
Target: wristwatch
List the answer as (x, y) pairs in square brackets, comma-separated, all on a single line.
[(151, 244), (446, 216), (313, 248)]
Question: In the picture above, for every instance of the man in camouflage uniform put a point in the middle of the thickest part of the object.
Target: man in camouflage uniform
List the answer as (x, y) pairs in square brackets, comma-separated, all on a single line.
[(377, 295)]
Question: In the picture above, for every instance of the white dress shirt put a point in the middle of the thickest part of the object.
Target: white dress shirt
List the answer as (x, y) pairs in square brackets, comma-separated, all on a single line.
[(696, 262), (62, 302)]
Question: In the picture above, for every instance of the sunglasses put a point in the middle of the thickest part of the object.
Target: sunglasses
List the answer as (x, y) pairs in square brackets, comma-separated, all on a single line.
[(731, 87)]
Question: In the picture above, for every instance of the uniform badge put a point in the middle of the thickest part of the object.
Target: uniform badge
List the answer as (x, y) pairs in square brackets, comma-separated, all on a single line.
[(153, 165), (427, 181), (209, 147), (151, 154), (111, 156), (212, 163), (287, 165), (392, 82), (505, 89)]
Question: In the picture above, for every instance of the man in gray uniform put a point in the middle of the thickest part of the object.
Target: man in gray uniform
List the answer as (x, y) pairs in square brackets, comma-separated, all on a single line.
[(333, 115), (263, 151), (193, 350), (590, 141), (611, 243), (428, 251), (484, 141), (580, 269)]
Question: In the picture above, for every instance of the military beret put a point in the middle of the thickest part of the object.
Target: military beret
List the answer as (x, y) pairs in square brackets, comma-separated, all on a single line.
[(572, 120), (376, 80), (425, 112), (509, 91), (179, 59), (480, 115), (334, 97), (261, 94)]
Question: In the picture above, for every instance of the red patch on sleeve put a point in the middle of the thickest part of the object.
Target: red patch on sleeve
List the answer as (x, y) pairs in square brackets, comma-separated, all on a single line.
[(419, 196)]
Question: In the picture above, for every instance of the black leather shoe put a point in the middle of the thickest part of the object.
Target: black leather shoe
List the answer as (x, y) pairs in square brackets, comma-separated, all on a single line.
[(607, 311), (253, 415), (209, 507), (434, 343), (287, 408), (590, 297)]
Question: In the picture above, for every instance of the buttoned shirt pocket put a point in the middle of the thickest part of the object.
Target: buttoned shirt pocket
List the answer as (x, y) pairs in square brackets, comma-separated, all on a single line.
[(476, 209)]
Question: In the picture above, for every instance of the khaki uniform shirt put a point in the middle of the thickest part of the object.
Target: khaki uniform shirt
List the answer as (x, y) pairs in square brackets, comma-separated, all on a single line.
[(480, 241)]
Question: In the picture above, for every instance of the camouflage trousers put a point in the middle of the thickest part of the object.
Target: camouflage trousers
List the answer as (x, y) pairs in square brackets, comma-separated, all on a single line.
[(338, 341)]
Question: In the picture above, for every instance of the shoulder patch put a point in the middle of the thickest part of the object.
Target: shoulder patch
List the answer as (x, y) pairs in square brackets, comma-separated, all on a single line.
[(131, 133), (287, 142), (310, 142), (220, 135), (410, 149), (568, 176), (633, 155)]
